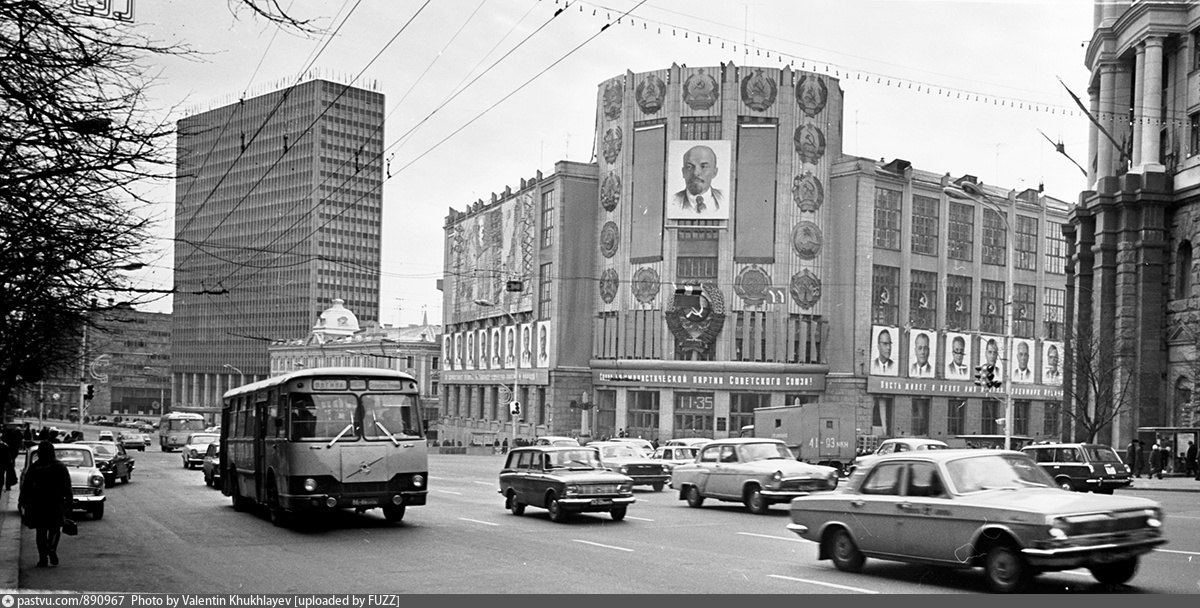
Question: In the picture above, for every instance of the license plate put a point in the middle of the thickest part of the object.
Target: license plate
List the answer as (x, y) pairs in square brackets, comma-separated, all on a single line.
[(363, 501), (601, 501), (1108, 468)]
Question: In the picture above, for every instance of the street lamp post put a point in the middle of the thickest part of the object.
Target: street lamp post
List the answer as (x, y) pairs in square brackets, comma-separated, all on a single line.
[(512, 443), (241, 376), (972, 192)]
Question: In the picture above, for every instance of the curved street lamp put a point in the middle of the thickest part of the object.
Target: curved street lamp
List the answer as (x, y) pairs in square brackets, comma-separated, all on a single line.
[(516, 375), (972, 192)]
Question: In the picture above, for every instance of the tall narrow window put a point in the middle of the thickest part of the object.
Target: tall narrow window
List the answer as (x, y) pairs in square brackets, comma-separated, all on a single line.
[(697, 259), (1023, 308), (1052, 315), (545, 285), (1183, 271), (1026, 243), (958, 302), (1050, 418), (887, 219), (988, 419), (925, 225), (995, 238), (1056, 248), (920, 416), (547, 218), (885, 302), (1020, 417), (922, 299), (956, 411), (961, 245), (991, 317)]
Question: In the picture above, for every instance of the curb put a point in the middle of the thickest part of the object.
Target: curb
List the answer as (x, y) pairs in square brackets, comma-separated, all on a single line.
[(10, 534)]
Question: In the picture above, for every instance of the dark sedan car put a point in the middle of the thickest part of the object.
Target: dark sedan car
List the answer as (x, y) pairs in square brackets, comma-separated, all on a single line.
[(112, 460), (1082, 467), (991, 509), (212, 465), (563, 480)]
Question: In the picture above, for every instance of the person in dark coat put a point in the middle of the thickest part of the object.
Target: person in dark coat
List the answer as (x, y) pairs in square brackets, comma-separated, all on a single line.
[(45, 501), (1133, 457), (1190, 458)]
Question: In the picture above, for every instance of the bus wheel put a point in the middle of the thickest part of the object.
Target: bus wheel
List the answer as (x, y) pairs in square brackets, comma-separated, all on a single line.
[(239, 503), (393, 512)]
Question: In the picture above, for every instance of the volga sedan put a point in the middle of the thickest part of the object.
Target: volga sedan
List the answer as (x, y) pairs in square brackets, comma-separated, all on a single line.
[(755, 471), (993, 509)]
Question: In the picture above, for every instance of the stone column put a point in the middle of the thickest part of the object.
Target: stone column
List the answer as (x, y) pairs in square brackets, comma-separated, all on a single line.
[(1151, 104), (1093, 138), (1105, 152), (1140, 120)]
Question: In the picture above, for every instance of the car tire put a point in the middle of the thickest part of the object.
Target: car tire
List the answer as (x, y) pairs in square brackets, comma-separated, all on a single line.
[(844, 553), (239, 503), (557, 513), (756, 502), (618, 513), (394, 513), (1115, 573), (694, 499), (512, 504), (98, 511), (109, 481), (658, 486), (1006, 570), (127, 477), (1065, 484)]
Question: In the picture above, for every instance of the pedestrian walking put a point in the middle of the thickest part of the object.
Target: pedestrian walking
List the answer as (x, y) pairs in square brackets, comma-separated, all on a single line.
[(1156, 460), (1190, 459), (1133, 457), (45, 502)]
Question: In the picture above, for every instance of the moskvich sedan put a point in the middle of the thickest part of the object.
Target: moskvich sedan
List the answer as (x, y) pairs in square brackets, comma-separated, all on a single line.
[(563, 480), (755, 471), (993, 509)]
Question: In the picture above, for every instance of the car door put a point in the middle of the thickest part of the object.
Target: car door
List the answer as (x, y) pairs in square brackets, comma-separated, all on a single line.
[(1069, 462), (874, 511), (706, 464), (928, 525), (121, 462), (726, 474)]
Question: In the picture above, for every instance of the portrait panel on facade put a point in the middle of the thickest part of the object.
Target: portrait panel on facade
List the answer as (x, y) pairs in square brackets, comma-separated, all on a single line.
[(1022, 361), (458, 349), (542, 352), (698, 180), (496, 350), (485, 349), (883, 351), (991, 349), (510, 346), (922, 352), (1052, 362), (958, 356), (448, 350), (469, 350), (526, 345)]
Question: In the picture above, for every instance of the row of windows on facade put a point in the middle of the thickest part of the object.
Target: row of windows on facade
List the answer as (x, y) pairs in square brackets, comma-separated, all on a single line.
[(960, 241), (991, 414), (959, 303)]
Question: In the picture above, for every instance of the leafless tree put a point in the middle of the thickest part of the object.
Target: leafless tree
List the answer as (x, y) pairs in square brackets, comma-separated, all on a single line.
[(1099, 385), (78, 144)]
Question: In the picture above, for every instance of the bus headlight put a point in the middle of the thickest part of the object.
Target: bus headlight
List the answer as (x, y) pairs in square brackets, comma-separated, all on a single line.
[(310, 485), (418, 481)]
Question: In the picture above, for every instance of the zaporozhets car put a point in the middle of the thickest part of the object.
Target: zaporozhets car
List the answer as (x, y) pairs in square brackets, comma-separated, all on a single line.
[(991, 509), (757, 472), (563, 480)]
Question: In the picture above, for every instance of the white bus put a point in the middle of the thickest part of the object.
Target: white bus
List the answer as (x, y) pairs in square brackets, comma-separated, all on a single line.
[(325, 438), (174, 428)]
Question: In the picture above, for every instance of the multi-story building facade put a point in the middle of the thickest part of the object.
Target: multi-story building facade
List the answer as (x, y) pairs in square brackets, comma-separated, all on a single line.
[(278, 211), (338, 340), (739, 260)]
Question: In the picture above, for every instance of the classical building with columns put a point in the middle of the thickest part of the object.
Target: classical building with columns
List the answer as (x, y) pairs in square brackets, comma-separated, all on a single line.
[(1131, 236)]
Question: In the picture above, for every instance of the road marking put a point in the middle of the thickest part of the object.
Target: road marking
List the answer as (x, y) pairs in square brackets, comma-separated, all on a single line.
[(795, 540), (637, 518), (812, 582), (450, 492), (588, 542), (1179, 552), (484, 483), (486, 523)]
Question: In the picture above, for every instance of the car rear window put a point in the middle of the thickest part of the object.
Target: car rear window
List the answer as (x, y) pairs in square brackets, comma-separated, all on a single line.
[(1102, 454)]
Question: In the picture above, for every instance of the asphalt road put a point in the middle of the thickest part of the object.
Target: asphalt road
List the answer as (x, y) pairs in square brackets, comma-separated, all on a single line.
[(168, 532)]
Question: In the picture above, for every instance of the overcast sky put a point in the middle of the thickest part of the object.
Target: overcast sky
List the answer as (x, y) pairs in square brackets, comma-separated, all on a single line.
[(911, 70)]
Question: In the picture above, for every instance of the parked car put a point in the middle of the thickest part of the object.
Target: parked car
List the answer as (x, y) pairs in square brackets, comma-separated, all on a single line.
[(87, 482), (643, 445), (1082, 467), (899, 444), (626, 459), (756, 471), (133, 440), (993, 509), (212, 465), (673, 455), (556, 440), (194, 448), (688, 441), (106, 436), (112, 460), (563, 480)]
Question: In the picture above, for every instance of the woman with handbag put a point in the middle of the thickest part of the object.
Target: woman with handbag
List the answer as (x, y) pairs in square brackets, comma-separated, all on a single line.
[(45, 501)]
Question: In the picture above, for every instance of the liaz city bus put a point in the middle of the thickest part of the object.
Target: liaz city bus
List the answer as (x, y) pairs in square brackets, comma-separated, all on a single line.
[(174, 428), (325, 438)]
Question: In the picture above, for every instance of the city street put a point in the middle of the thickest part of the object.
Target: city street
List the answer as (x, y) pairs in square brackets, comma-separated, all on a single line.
[(168, 532)]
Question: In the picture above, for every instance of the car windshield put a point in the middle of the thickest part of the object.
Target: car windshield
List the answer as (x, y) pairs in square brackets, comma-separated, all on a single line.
[(575, 459), (932, 446), (1102, 454), (202, 439), (103, 449), (74, 458), (996, 471), (763, 451), (619, 451)]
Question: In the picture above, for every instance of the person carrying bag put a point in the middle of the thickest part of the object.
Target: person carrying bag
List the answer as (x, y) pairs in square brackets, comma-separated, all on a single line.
[(45, 502)]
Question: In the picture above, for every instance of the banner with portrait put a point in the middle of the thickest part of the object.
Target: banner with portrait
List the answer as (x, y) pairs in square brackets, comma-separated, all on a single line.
[(922, 352), (510, 346), (497, 354), (485, 349), (883, 359), (542, 354), (526, 346), (448, 351), (1022, 367), (958, 356), (698, 179), (1052, 362), (469, 350), (458, 349)]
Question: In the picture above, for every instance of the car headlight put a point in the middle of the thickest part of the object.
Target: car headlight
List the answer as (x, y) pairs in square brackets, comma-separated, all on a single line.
[(1058, 528), (625, 488), (1154, 518), (777, 476), (834, 478), (623, 469), (310, 485), (571, 489), (96, 481), (418, 481)]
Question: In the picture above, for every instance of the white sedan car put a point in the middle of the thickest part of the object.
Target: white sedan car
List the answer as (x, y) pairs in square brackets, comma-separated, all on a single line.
[(195, 447)]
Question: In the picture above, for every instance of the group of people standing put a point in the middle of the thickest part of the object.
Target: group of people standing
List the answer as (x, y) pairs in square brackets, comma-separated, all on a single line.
[(1161, 459)]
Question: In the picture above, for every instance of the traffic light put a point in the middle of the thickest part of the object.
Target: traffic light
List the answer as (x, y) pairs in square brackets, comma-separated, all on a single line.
[(985, 376), (514, 408), (91, 391), (994, 382), (980, 374)]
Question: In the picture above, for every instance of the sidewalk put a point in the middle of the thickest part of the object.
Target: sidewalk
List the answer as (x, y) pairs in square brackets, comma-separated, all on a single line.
[(1174, 483), (10, 536)]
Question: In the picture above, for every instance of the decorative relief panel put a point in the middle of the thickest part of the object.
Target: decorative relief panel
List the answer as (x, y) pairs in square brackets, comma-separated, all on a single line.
[(609, 284), (700, 91), (806, 239), (610, 238), (806, 289), (650, 93), (610, 191), (645, 285), (758, 91)]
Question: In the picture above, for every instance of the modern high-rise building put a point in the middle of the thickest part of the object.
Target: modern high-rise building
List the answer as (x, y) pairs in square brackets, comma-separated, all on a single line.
[(278, 209)]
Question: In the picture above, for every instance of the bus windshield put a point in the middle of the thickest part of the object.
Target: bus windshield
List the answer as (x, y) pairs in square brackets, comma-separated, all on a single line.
[(326, 416), (196, 424), (386, 416)]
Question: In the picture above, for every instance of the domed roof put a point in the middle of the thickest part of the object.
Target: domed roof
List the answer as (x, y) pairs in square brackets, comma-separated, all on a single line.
[(336, 321)]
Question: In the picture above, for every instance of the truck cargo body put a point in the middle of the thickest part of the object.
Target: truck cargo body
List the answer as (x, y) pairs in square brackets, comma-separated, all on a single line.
[(816, 433)]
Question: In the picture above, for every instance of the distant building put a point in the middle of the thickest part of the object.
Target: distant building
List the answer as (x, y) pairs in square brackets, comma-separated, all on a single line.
[(730, 257), (278, 208), (337, 340)]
